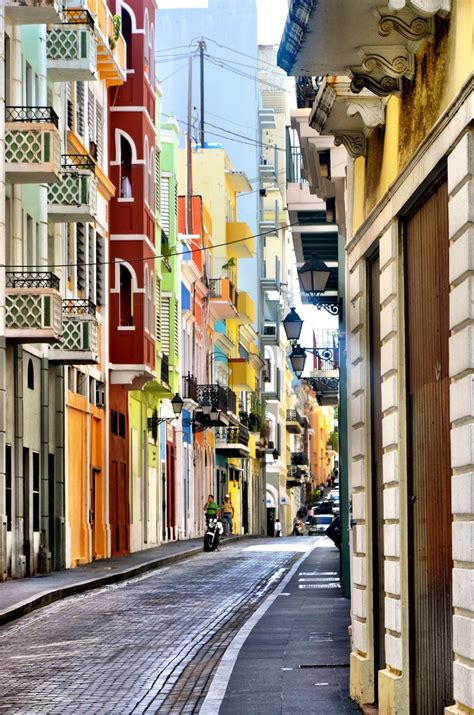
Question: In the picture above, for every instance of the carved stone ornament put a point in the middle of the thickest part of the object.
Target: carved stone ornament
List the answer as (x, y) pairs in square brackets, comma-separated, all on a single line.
[(371, 110), (381, 87), (393, 60), (322, 106), (424, 7), (414, 30), (354, 142)]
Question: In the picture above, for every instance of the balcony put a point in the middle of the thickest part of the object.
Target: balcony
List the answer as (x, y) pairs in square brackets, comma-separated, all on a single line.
[(32, 145), (242, 375), (33, 307), (190, 391), (236, 234), (293, 422), (32, 12), (74, 197), (294, 476), (299, 459), (80, 339), (223, 298), (233, 441), (71, 52), (246, 308)]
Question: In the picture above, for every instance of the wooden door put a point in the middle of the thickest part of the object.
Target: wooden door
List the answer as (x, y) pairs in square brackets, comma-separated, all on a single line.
[(376, 469), (429, 487)]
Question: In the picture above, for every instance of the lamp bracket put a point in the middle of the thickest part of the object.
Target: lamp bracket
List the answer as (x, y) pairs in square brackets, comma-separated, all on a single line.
[(332, 305)]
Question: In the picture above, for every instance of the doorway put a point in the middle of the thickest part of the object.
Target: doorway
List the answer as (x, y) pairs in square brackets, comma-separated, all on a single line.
[(429, 460)]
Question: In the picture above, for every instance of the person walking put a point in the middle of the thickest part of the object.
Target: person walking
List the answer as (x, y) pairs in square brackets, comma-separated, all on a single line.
[(227, 512), (278, 527), (210, 508)]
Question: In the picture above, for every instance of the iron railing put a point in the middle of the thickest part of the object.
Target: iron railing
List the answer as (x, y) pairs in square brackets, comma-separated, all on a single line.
[(78, 306), (244, 418), (39, 115), (215, 290), (299, 459), (190, 388), (165, 369), (73, 162), (294, 473), (215, 394), (32, 279), (233, 435), (78, 17), (231, 401)]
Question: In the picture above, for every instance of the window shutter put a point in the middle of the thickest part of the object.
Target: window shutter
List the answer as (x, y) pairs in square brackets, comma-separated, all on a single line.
[(99, 132), (157, 180), (91, 115), (70, 106), (165, 204), (80, 98), (100, 274), (158, 309), (81, 256), (165, 324), (176, 329), (92, 267)]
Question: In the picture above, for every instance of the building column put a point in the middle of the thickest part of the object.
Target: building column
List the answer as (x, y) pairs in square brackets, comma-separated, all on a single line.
[(45, 484), (361, 661), (3, 357), (393, 680), (461, 369)]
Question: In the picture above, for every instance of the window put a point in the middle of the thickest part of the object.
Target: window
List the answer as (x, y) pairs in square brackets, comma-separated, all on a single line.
[(81, 256), (121, 425), (92, 268), (126, 191), (127, 35), (146, 170), (165, 203), (30, 381), (157, 181), (36, 492), (151, 171), (126, 300), (80, 102), (100, 277), (114, 422)]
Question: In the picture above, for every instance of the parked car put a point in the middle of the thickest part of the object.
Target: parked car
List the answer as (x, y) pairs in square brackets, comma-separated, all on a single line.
[(320, 523), (336, 507), (325, 507), (333, 494)]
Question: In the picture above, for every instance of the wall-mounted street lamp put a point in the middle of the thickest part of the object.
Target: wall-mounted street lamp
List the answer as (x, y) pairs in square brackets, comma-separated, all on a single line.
[(314, 277), (155, 419), (275, 455), (293, 325)]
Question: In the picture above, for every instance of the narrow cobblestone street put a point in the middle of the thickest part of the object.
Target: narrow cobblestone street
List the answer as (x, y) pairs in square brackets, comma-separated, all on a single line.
[(150, 644)]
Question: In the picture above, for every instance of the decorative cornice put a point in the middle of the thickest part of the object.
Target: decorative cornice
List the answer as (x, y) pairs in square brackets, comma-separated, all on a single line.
[(394, 60), (354, 142), (414, 30), (381, 87), (371, 110), (425, 7)]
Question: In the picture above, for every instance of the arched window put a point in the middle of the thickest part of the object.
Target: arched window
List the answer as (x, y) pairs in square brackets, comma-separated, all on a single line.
[(151, 199), (30, 379), (126, 191), (152, 56), (126, 296), (146, 169), (126, 29), (146, 48)]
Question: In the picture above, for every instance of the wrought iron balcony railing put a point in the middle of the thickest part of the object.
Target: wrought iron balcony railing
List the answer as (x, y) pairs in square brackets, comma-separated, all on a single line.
[(165, 369), (78, 16), (78, 306), (231, 401), (233, 435), (190, 388), (39, 115), (299, 459), (215, 394), (32, 279), (77, 162), (293, 473)]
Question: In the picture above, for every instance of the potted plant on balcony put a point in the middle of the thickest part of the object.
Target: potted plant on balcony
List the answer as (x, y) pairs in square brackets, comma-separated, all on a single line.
[(113, 39), (228, 267)]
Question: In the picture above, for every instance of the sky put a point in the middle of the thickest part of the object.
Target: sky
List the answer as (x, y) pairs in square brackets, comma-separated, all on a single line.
[(271, 16)]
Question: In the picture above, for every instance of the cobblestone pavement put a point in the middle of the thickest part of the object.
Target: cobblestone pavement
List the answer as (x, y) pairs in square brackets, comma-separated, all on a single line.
[(150, 644)]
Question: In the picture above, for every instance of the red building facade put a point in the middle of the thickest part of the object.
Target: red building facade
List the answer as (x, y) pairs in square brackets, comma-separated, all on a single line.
[(132, 141)]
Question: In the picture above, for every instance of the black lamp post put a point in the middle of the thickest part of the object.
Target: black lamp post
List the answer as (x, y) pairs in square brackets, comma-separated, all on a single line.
[(293, 325), (298, 360), (314, 276), (275, 454), (206, 407), (177, 404)]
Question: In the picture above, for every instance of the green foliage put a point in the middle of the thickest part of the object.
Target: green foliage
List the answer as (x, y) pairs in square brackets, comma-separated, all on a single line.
[(333, 441)]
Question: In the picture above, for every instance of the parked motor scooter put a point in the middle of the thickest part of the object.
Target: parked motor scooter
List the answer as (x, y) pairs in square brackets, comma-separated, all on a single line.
[(213, 535)]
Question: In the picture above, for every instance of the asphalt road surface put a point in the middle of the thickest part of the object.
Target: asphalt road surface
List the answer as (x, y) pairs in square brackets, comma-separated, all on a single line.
[(151, 644)]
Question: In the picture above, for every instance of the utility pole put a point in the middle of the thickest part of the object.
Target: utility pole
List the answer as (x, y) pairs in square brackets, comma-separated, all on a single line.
[(202, 48), (189, 153)]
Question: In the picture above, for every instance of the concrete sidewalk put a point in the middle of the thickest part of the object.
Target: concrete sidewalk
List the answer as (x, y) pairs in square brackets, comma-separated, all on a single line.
[(295, 660), (21, 596)]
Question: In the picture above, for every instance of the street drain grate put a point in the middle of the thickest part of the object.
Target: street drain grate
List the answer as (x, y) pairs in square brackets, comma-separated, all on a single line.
[(319, 585)]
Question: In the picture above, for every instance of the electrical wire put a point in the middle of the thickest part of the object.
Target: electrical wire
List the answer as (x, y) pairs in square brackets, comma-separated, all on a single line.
[(200, 249), (172, 73), (238, 52), (240, 73)]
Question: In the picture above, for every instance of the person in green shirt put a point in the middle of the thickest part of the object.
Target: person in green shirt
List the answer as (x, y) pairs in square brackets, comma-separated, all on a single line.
[(210, 508)]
